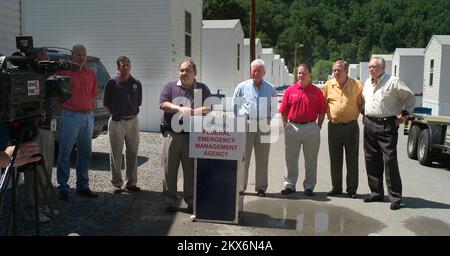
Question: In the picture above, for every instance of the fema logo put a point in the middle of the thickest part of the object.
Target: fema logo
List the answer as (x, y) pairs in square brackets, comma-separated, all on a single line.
[(135, 86)]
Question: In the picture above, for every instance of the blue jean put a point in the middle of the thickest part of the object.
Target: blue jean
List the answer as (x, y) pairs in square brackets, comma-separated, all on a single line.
[(74, 127)]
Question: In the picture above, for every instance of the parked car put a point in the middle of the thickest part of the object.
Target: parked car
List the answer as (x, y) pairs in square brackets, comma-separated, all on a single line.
[(101, 115), (320, 84)]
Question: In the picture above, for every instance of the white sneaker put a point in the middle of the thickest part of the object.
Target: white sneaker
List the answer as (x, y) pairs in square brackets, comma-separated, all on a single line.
[(46, 211), (29, 216)]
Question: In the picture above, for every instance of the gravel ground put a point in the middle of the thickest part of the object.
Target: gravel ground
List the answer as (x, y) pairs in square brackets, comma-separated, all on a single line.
[(109, 214)]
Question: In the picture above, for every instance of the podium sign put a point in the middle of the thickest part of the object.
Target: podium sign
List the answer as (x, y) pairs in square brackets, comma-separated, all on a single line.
[(215, 142), (219, 152)]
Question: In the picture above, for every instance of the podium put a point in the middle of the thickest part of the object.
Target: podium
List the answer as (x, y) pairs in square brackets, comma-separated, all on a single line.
[(219, 155)]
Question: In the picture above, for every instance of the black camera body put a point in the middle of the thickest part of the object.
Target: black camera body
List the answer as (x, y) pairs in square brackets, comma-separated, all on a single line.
[(26, 84)]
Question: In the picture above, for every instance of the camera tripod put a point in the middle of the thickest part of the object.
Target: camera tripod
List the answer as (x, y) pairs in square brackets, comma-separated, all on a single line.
[(11, 173)]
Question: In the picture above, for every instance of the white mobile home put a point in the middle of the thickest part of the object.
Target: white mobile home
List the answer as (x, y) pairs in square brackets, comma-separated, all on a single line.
[(267, 57), (436, 88), (258, 53), (363, 71), (9, 25), (388, 59), (156, 35), (407, 64), (222, 55), (276, 70), (286, 75), (353, 71), (282, 65), (291, 79)]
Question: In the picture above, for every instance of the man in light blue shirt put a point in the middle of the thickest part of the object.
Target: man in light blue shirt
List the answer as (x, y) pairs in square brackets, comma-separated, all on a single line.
[(253, 99)]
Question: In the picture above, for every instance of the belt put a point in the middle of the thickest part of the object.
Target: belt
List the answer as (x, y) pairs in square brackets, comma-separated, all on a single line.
[(341, 124), (381, 119), (307, 122), (126, 117), (81, 111)]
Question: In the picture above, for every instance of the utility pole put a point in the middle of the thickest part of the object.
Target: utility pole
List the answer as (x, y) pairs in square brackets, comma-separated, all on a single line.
[(252, 29), (294, 71), (295, 56)]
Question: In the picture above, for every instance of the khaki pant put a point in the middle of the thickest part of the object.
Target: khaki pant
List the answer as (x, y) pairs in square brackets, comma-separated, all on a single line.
[(262, 150), (119, 132), (296, 135), (176, 150)]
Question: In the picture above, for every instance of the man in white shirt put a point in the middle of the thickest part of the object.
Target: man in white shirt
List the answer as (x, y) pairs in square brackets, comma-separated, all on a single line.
[(386, 101)]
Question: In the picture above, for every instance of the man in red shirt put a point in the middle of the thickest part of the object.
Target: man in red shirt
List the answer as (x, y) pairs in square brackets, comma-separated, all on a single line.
[(76, 125), (303, 109)]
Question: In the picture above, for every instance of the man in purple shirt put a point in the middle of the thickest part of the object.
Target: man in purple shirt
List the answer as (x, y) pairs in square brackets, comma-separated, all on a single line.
[(123, 96), (177, 102)]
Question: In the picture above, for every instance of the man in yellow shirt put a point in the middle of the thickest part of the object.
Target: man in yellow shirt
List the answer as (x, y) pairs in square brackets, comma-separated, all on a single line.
[(344, 102)]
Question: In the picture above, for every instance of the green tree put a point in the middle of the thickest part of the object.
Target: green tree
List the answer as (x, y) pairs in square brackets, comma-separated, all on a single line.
[(388, 38), (271, 17), (363, 50), (336, 29), (334, 50), (225, 9), (349, 52), (321, 70)]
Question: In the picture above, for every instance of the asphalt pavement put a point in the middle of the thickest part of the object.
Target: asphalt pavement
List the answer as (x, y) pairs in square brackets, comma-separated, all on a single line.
[(425, 205)]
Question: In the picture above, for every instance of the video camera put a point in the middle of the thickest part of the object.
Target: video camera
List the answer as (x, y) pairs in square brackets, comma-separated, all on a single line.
[(27, 82)]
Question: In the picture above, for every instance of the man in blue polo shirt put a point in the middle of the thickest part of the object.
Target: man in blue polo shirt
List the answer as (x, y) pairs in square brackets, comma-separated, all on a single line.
[(252, 99)]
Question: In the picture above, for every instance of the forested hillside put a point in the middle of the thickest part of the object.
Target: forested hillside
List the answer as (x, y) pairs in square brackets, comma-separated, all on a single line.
[(337, 29)]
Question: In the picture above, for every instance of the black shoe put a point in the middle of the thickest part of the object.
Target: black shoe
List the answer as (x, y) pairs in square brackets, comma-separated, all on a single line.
[(190, 209), (133, 189), (334, 192), (287, 191), (261, 193), (86, 193), (64, 195), (371, 199), (309, 192), (117, 190), (395, 206), (352, 195), (170, 209)]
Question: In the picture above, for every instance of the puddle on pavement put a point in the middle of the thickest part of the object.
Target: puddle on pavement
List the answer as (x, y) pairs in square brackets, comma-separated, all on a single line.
[(308, 218), (425, 226)]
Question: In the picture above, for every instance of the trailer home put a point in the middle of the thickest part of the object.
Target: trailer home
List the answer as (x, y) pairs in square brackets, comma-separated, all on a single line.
[(407, 64), (156, 35), (436, 86), (267, 57), (363, 71), (258, 53), (353, 71)]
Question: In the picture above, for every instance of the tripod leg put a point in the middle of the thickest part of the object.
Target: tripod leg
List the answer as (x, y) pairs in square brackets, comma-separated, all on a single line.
[(2, 198), (46, 201), (36, 201), (12, 213)]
